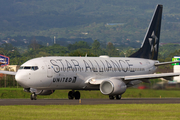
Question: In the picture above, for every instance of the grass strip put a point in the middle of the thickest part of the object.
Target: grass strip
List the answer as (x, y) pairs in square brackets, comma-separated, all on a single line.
[(91, 112), (63, 94)]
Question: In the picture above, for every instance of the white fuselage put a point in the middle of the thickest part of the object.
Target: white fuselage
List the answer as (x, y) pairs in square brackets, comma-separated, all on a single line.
[(73, 72)]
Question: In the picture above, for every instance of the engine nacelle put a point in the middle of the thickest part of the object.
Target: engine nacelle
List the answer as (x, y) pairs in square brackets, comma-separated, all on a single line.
[(113, 87), (39, 92), (44, 92)]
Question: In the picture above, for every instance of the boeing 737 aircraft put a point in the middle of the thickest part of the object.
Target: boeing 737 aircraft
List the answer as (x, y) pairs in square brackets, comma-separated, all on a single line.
[(111, 75)]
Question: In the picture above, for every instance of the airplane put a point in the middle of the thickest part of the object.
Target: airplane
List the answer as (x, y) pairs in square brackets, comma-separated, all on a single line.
[(111, 75)]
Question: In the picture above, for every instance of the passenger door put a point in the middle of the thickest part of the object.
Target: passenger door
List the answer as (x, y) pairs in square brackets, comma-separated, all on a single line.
[(49, 70)]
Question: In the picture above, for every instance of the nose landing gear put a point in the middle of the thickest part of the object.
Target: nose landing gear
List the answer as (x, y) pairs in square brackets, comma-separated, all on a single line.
[(33, 96), (72, 94)]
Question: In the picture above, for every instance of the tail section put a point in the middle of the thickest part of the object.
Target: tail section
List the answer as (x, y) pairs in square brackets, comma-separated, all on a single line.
[(150, 45)]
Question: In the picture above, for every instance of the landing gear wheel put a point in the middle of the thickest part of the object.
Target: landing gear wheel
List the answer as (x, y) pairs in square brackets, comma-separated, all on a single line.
[(118, 97), (111, 97), (33, 96), (77, 95), (70, 95)]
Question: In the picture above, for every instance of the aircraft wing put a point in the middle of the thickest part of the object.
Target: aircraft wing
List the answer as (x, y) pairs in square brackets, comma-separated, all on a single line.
[(8, 72), (134, 77), (149, 76)]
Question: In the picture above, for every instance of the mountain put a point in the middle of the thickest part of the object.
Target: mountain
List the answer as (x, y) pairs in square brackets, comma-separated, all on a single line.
[(72, 19)]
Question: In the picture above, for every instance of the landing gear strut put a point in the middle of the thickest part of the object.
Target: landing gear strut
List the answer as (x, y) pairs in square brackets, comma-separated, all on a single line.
[(118, 97), (33, 96), (73, 94)]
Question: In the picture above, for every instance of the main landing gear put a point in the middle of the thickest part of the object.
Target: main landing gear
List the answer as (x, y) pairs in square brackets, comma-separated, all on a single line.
[(118, 97), (72, 94), (33, 96)]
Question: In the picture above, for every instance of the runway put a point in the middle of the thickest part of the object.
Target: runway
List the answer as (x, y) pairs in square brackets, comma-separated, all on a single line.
[(89, 101)]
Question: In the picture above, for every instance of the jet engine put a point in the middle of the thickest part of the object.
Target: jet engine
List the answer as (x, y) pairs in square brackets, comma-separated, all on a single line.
[(44, 92), (39, 92), (113, 87)]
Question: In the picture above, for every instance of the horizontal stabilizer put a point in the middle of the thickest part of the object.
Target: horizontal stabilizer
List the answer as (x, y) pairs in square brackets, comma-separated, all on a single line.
[(165, 63)]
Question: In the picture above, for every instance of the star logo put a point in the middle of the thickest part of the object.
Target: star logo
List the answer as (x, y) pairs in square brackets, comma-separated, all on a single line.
[(153, 41)]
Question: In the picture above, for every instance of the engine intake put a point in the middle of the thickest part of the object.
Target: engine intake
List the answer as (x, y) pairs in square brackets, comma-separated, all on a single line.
[(113, 87)]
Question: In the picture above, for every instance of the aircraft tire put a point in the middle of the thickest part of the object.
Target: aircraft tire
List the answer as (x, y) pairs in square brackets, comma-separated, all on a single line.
[(118, 97), (111, 97), (77, 95), (33, 96), (70, 95)]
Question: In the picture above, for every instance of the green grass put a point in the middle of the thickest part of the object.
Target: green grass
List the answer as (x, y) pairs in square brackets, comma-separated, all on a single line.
[(92, 112), (62, 94)]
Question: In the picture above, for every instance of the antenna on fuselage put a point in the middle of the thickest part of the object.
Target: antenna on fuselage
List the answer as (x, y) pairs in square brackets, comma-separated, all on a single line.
[(86, 55)]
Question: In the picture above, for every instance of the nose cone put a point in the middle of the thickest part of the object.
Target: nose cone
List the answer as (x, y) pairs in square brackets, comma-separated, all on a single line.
[(21, 78)]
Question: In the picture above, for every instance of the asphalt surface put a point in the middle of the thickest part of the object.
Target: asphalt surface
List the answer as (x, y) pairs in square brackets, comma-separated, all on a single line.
[(89, 101)]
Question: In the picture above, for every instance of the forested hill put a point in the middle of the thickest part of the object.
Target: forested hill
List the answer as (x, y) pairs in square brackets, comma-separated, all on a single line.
[(87, 19)]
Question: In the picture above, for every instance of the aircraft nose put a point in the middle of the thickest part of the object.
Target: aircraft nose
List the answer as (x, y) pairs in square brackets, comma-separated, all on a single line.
[(21, 79)]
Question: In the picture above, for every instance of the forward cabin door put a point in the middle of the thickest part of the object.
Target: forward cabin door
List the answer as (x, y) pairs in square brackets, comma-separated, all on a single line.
[(49, 69)]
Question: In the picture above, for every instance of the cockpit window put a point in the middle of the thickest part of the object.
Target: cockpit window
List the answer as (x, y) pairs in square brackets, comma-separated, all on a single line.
[(21, 67), (29, 67), (34, 67)]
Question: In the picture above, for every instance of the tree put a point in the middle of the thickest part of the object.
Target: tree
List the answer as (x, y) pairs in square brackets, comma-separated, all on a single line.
[(96, 47), (81, 52), (34, 44), (78, 45), (9, 50), (111, 50)]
